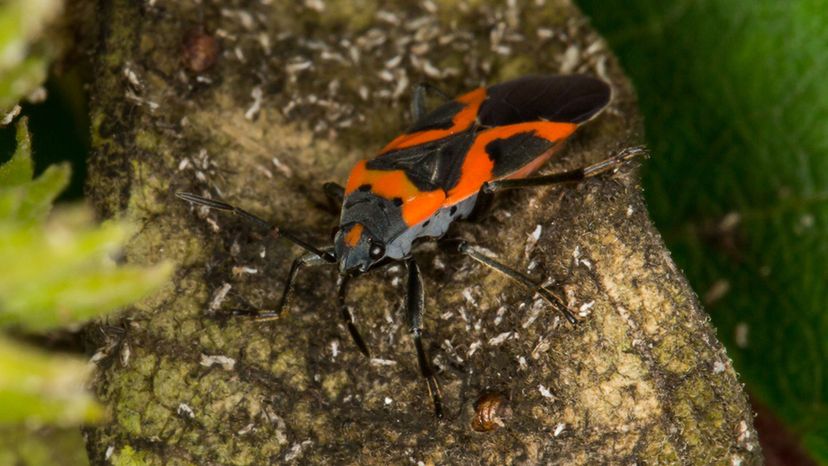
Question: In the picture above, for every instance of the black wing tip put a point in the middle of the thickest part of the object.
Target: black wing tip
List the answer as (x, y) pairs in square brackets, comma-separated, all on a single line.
[(591, 96), (563, 98)]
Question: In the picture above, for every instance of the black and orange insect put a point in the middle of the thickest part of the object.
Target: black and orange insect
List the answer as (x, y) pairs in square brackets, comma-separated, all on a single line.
[(487, 140)]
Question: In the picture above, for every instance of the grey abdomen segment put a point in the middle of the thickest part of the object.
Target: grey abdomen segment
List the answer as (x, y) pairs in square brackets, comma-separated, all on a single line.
[(434, 227)]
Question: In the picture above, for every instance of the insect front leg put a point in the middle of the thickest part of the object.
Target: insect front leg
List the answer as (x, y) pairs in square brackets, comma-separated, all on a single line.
[(309, 259), (275, 231), (414, 309), (347, 317), (576, 175), (418, 99), (477, 254)]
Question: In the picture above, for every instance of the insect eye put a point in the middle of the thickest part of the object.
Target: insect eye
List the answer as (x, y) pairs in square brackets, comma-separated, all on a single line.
[(377, 251)]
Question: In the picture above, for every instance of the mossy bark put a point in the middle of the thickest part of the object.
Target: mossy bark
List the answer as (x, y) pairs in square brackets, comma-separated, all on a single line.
[(297, 94)]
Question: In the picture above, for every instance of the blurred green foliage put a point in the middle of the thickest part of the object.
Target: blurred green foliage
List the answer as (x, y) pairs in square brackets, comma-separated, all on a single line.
[(736, 108), (58, 271), (24, 54)]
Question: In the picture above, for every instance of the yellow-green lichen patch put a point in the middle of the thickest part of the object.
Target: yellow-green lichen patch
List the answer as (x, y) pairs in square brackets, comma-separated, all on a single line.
[(333, 384), (289, 365)]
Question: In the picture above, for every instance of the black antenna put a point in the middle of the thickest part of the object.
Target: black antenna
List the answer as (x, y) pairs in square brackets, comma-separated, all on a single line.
[(276, 231)]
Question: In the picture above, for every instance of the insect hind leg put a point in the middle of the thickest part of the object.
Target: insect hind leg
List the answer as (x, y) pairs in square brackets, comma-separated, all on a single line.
[(576, 175), (478, 255)]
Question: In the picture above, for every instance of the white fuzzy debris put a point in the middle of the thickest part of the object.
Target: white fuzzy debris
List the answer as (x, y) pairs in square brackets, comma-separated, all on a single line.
[(383, 362), (132, 77), (184, 164), (100, 354), (496, 341), (630, 210), (296, 67), (570, 60), (8, 117), (736, 460), (225, 362), (718, 367), (537, 307), (296, 450), (185, 410), (716, 291), (244, 269), (559, 429), (388, 401), (213, 225), (499, 315), (742, 332), (473, 348), (540, 347), (125, 353), (246, 429), (586, 263), (743, 433), (109, 451), (468, 296), (219, 296), (334, 349), (625, 316), (315, 5), (546, 393), (730, 221), (257, 94), (576, 255), (522, 363), (533, 239), (282, 167), (583, 311)]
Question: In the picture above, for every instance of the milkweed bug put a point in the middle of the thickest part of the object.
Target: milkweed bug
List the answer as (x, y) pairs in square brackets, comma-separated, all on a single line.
[(487, 140)]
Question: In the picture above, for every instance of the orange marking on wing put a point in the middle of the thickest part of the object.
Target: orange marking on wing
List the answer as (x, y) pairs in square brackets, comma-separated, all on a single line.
[(389, 184), (460, 122), (353, 235), (477, 167), (422, 206)]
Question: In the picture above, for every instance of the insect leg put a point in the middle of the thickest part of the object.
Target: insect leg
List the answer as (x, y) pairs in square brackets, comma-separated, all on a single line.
[(414, 308), (310, 259), (275, 231), (335, 193), (418, 100), (477, 254), (347, 317), (579, 174)]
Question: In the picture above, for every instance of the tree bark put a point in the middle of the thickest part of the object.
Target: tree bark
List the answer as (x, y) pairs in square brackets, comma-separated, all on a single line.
[(297, 94)]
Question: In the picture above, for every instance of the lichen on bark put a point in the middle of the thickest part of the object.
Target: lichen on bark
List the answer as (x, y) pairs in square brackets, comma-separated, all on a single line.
[(297, 94)]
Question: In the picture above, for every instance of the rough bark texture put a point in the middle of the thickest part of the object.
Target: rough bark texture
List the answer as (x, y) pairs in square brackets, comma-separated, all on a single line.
[(298, 93)]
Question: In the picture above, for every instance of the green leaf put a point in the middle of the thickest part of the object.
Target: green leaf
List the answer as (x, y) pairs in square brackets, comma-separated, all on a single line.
[(736, 109), (24, 56), (20, 169), (22, 200), (39, 388), (21, 80), (22, 21)]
